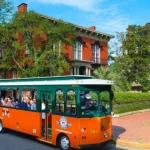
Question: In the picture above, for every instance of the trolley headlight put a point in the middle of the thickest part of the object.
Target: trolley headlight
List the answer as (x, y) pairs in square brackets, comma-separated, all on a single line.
[(82, 130), (105, 135)]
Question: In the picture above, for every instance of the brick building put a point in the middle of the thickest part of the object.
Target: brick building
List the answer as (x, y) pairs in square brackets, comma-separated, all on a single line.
[(89, 51)]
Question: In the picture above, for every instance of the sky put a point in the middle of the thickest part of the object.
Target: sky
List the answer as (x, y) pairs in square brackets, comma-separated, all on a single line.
[(109, 16)]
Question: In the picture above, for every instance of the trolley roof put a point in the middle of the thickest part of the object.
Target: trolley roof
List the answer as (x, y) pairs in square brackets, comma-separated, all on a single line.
[(49, 78), (62, 80)]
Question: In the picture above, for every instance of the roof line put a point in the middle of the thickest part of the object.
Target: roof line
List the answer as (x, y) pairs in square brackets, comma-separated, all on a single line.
[(77, 26), (59, 82)]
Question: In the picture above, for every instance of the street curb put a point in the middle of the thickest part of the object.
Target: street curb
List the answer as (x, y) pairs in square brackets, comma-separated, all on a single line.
[(129, 113), (131, 144)]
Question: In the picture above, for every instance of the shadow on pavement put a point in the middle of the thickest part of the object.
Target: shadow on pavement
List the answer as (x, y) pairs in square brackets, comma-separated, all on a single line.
[(28, 137), (117, 130), (20, 134)]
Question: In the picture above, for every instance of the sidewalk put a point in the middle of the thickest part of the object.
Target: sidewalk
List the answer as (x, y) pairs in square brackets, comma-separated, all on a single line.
[(132, 130)]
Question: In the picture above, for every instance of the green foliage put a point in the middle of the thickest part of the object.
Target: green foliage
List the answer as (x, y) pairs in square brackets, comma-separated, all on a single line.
[(113, 51), (71, 97), (60, 97), (126, 102), (135, 63), (5, 10), (34, 46), (121, 82), (94, 95), (128, 97), (111, 74), (105, 96), (102, 73), (117, 109)]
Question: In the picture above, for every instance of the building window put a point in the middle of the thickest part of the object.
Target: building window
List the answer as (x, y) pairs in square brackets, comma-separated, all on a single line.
[(14, 74), (77, 51), (2, 74), (27, 52), (1, 52), (56, 47), (59, 48), (96, 54)]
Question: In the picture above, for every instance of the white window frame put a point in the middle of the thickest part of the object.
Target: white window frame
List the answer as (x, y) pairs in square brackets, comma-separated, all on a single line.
[(96, 54), (77, 50), (59, 46), (27, 49), (14, 74), (54, 46)]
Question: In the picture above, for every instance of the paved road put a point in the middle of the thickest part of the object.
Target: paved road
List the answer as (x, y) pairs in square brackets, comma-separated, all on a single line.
[(17, 141)]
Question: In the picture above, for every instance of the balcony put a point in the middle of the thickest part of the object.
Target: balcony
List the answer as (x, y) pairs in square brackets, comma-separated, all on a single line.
[(96, 60), (104, 61), (100, 61)]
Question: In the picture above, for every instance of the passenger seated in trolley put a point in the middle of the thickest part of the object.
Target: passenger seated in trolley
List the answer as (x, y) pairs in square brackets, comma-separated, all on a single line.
[(33, 105), (6, 102), (24, 103), (13, 102), (2, 100)]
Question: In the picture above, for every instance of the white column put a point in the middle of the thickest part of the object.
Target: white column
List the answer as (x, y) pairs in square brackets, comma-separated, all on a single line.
[(71, 70), (86, 71), (89, 71), (75, 70)]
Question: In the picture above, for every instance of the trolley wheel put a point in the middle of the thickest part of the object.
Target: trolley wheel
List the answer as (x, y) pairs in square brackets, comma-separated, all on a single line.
[(64, 142), (2, 130)]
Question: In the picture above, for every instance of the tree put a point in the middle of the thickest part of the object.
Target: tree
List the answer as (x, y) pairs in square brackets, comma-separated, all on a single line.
[(121, 83), (113, 51), (135, 61), (5, 10), (34, 46), (102, 73), (111, 74)]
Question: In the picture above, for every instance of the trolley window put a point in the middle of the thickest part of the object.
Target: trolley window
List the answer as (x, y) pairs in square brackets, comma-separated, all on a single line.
[(29, 99), (71, 103), (89, 103), (105, 101), (59, 100), (9, 97)]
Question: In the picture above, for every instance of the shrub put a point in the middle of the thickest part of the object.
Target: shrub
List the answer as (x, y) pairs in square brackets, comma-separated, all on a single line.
[(128, 97), (126, 102)]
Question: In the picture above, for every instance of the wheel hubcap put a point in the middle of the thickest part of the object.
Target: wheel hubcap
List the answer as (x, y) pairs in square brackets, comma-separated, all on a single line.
[(65, 143)]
